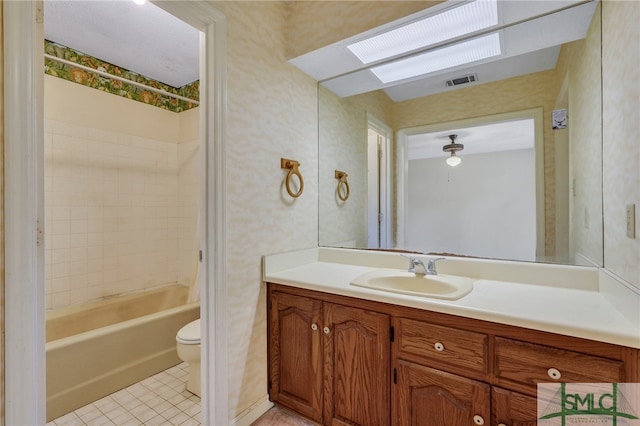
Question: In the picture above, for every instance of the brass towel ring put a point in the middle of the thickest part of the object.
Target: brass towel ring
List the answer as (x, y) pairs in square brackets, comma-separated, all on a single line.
[(343, 185), (292, 165)]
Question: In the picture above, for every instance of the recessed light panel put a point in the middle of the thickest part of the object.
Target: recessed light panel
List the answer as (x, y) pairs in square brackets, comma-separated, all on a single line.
[(451, 23), (458, 54)]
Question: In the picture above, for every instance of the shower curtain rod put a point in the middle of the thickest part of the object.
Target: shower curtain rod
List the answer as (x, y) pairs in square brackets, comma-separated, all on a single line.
[(124, 80)]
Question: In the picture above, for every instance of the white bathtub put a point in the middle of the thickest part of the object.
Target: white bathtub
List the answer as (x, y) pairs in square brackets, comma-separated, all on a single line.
[(100, 347)]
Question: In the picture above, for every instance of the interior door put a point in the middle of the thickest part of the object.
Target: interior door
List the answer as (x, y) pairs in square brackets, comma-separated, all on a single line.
[(378, 184)]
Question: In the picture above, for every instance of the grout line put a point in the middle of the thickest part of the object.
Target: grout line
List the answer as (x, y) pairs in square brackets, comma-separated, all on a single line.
[(161, 399)]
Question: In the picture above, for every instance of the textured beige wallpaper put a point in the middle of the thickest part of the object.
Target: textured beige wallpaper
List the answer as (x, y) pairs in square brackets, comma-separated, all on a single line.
[(621, 127), (585, 139), (272, 113), (315, 24), (1, 222), (342, 133)]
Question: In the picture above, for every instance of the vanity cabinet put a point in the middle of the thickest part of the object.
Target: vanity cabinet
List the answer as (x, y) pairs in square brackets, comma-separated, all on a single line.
[(427, 396), (450, 349), (522, 365), (295, 352), (373, 363), (513, 409), (434, 371), (329, 362)]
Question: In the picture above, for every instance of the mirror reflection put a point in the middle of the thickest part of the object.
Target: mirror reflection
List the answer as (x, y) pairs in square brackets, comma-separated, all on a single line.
[(541, 201)]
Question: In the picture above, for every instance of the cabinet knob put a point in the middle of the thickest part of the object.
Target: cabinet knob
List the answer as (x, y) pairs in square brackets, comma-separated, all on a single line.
[(554, 373), (478, 420), (439, 347), (314, 326), (326, 330)]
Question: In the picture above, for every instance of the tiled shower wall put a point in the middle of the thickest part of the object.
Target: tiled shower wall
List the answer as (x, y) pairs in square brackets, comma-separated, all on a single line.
[(188, 195), (113, 209)]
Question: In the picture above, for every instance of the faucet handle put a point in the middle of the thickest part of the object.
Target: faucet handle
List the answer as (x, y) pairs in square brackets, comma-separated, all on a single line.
[(412, 262), (431, 266), (411, 258)]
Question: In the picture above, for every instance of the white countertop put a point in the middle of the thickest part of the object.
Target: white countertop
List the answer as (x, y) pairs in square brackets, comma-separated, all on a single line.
[(568, 300)]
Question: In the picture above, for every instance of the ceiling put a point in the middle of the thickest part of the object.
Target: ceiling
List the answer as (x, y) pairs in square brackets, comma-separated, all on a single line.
[(493, 137), (529, 45), (141, 38), (149, 41)]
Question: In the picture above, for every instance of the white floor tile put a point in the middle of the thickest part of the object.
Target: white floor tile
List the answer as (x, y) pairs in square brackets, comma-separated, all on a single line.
[(157, 421), (179, 419), (158, 400)]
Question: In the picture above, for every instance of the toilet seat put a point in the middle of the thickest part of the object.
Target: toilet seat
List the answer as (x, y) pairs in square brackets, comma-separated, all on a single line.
[(189, 334)]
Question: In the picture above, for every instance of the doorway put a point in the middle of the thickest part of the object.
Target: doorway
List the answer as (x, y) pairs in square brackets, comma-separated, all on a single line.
[(24, 202), (378, 183), (488, 203)]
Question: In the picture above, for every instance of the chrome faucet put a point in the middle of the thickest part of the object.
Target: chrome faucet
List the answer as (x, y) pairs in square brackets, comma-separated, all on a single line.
[(430, 269)]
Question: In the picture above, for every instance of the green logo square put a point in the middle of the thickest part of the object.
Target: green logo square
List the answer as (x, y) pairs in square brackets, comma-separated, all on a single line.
[(616, 404)]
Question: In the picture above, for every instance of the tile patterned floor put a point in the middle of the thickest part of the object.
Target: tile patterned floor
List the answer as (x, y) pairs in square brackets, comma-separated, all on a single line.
[(158, 400), (278, 416)]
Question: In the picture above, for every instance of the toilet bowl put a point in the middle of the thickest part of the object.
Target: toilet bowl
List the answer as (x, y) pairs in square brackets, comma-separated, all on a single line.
[(188, 347)]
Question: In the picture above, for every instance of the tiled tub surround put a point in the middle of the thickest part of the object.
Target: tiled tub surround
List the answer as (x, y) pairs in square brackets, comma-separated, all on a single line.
[(97, 348), (120, 195), (573, 301)]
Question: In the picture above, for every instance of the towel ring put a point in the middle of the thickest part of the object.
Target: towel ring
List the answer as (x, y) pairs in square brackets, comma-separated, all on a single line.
[(292, 165), (343, 185)]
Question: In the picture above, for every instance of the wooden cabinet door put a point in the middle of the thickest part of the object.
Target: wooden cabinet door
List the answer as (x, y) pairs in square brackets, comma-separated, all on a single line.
[(295, 350), (425, 396), (357, 366), (513, 409)]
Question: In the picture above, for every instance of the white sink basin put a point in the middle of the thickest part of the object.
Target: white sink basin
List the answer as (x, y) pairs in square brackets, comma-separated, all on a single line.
[(448, 287)]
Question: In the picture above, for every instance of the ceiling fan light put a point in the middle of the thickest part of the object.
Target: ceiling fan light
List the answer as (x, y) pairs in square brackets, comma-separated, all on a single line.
[(454, 160)]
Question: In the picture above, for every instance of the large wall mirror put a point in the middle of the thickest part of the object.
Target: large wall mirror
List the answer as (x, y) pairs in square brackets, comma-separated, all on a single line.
[(529, 183)]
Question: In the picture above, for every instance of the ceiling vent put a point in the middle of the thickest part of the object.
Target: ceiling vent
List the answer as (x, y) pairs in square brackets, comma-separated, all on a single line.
[(462, 80)]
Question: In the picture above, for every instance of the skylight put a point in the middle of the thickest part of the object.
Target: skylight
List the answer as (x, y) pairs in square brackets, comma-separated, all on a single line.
[(451, 23), (458, 54)]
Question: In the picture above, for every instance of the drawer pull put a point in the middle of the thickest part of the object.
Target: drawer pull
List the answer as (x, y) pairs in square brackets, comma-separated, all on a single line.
[(326, 330), (439, 347), (554, 373), (478, 420), (501, 424), (314, 326)]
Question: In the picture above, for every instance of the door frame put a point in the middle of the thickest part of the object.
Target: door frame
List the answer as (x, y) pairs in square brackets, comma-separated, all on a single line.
[(402, 142), (23, 163), (385, 179)]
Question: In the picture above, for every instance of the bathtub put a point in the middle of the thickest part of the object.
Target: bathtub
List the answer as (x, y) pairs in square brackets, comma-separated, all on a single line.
[(97, 348)]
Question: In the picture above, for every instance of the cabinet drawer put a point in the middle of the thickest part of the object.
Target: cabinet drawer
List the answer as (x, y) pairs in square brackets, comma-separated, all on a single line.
[(529, 364), (448, 349)]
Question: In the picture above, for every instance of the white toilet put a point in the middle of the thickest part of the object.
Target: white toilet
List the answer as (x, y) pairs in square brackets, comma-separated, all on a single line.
[(188, 347)]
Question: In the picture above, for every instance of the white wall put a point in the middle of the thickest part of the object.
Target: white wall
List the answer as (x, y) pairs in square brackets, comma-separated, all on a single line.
[(466, 209)]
